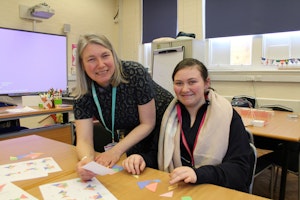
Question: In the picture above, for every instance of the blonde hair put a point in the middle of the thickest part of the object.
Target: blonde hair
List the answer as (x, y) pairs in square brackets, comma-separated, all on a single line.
[(83, 81)]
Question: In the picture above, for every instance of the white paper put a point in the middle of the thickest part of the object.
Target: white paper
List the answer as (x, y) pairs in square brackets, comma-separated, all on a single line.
[(19, 110), (76, 189), (28, 169), (9, 191), (98, 169)]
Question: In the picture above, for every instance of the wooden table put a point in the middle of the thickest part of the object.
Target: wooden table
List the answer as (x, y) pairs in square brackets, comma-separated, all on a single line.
[(5, 115), (280, 127), (61, 132), (122, 185)]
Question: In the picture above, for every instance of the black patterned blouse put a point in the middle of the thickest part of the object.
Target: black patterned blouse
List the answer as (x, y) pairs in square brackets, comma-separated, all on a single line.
[(138, 91)]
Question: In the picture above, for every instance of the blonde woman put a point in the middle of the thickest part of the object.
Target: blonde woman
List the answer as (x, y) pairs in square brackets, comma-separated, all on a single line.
[(121, 95)]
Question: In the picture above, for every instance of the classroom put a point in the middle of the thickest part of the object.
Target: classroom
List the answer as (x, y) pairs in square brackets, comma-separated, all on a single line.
[(121, 21)]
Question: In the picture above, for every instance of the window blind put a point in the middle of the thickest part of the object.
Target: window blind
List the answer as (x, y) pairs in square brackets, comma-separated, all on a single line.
[(159, 19), (250, 17)]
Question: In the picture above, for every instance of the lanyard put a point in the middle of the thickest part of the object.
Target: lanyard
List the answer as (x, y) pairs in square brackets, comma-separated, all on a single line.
[(179, 115), (113, 108)]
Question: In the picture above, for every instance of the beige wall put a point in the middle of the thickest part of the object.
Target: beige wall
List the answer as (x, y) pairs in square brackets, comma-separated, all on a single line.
[(83, 16), (97, 16)]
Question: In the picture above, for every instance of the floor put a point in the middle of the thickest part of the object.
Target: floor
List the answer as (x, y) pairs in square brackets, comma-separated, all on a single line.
[(261, 186)]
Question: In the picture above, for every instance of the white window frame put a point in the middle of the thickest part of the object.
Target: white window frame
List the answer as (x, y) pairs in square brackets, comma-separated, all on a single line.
[(274, 47)]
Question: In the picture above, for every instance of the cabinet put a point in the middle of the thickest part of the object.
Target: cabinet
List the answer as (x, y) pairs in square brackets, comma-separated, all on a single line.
[(192, 48)]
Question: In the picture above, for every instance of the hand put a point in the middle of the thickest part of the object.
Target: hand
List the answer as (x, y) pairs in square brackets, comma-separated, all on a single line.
[(187, 174), (134, 164), (108, 158), (84, 174)]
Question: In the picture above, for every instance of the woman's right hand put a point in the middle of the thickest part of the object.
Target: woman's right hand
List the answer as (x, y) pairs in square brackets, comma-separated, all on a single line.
[(134, 164), (84, 174)]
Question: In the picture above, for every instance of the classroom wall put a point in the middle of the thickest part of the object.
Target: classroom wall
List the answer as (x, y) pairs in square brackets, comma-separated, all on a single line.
[(83, 16), (125, 33)]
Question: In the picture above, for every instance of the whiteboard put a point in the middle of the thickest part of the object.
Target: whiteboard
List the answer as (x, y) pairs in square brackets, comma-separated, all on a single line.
[(164, 62)]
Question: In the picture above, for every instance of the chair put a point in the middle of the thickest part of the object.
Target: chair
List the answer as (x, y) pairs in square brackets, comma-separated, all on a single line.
[(277, 156), (254, 157), (260, 165), (102, 137)]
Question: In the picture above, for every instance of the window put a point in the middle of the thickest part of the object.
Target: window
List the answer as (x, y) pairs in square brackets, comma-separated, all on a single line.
[(278, 50), (281, 49), (230, 51)]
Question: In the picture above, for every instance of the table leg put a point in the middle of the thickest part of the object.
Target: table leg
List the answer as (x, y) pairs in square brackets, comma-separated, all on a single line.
[(284, 172), (65, 117)]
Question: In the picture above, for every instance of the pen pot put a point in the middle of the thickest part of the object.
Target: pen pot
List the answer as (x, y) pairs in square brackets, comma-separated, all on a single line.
[(47, 102)]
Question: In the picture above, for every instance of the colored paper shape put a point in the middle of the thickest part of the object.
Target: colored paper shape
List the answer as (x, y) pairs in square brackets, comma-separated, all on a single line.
[(117, 168), (186, 198), (143, 184), (34, 155), (152, 186), (13, 158), (168, 194), (1, 187)]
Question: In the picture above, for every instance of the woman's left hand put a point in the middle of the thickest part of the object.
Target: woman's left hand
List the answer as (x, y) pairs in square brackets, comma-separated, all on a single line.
[(187, 174), (108, 158)]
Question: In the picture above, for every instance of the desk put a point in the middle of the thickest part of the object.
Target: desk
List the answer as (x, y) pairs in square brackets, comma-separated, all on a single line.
[(61, 132), (5, 115), (282, 128), (122, 185)]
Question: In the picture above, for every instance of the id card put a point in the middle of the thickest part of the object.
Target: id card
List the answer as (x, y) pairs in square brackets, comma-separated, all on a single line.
[(109, 146)]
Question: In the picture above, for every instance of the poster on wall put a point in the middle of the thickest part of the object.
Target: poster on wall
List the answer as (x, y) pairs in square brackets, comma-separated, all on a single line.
[(74, 51)]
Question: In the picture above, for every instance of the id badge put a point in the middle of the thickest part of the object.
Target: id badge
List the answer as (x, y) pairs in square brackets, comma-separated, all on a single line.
[(109, 146)]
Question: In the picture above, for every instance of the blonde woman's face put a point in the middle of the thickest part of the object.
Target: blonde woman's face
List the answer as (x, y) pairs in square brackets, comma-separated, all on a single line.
[(98, 63)]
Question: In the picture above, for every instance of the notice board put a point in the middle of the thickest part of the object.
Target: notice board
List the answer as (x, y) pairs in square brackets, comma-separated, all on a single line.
[(164, 62)]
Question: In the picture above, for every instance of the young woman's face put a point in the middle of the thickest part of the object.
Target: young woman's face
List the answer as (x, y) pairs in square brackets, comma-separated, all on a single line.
[(190, 87), (98, 63)]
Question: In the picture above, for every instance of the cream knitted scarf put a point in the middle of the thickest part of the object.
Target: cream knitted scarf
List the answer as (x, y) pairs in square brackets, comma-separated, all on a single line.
[(213, 138)]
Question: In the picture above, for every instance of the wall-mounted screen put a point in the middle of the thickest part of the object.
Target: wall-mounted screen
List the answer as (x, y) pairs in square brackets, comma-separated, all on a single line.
[(32, 62)]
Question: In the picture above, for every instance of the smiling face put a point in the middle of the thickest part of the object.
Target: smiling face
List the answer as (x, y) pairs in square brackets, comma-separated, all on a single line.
[(189, 87), (98, 63)]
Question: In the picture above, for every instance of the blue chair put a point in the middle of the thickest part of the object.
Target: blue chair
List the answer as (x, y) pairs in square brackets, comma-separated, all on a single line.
[(260, 165)]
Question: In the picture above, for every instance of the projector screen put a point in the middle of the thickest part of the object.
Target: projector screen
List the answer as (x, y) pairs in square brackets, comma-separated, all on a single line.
[(32, 62)]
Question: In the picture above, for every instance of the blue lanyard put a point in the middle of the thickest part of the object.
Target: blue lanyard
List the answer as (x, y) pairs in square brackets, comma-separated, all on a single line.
[(113, 108)]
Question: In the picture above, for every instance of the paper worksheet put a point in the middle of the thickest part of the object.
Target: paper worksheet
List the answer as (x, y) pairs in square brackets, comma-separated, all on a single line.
[(76, 189), (28, 169), (9, 191)]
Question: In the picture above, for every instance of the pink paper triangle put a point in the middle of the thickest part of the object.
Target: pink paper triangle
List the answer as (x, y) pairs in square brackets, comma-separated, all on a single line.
[(168, 194), (2, 186), (152, 187)]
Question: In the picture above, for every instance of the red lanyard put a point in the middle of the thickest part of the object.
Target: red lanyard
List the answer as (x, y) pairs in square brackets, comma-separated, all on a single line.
[(179, 115)]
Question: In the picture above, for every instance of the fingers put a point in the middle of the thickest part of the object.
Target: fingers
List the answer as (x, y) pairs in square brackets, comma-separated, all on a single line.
[(84, 174), (134, 164), (185, 174), (104, 162), (107, 159), (87, 175)]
